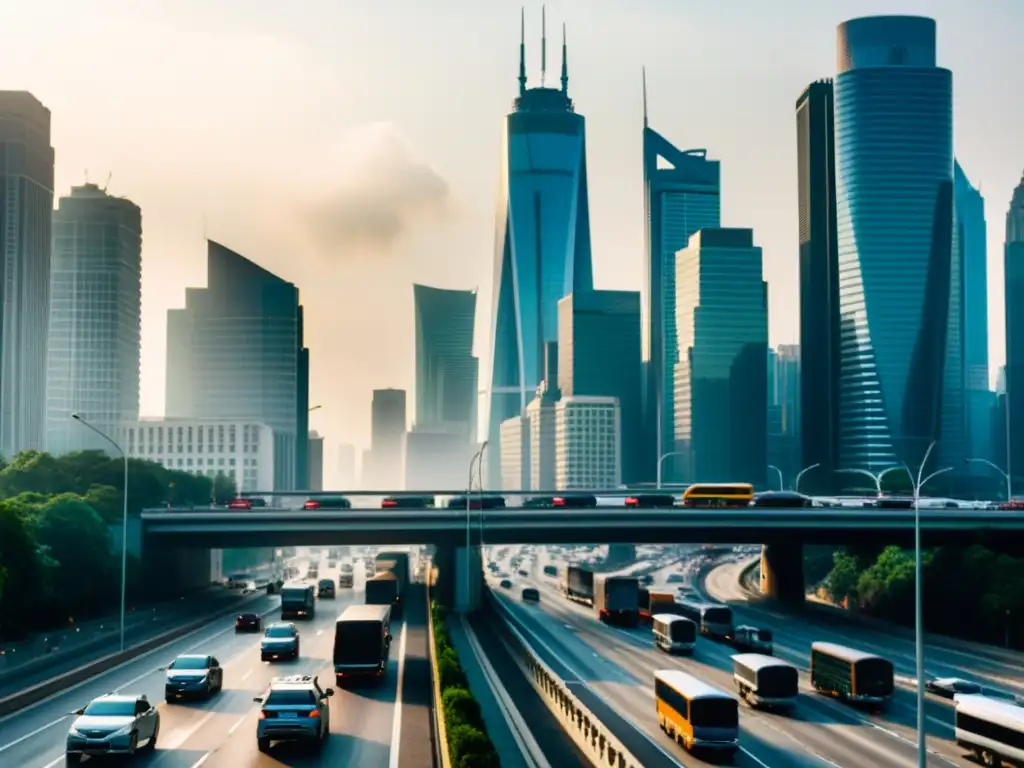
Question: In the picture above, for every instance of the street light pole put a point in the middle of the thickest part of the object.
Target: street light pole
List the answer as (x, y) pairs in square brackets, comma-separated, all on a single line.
[(782, 483), (801, 473), (124, 516), (876, 479), (1006, 475), (661, 460), (478, 456)]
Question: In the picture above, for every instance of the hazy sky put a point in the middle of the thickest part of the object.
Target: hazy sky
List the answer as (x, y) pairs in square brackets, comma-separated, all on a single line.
[(352, 147)]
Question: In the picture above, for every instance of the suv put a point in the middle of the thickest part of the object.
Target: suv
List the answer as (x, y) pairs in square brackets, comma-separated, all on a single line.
[(325, 588), (279, 641), (294, 708), (114, 724)]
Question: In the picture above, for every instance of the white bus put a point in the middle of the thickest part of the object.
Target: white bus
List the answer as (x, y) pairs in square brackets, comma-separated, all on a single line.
[(674, 634), (993, 730), (765, 681), (697, 715), (712, 619)]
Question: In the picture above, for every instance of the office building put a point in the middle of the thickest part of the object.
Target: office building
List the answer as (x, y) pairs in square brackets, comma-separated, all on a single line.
[(347, 467), (784, 423), (446, 371), (238, 449), (438, 458), (26, 208), (95, 318), (599, 355), (819, 285), (901, 356), (236, 352), (383, 467), (1013, 266), (682, 194), (721, 390), (515, 453), (588, 443), (542, 240), (315, 460)]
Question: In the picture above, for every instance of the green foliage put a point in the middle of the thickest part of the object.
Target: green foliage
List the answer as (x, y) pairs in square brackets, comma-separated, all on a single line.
[(471, 748), (460, 708)]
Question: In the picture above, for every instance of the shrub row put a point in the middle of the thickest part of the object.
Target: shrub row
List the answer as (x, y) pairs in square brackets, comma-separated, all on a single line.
[(469, 746)]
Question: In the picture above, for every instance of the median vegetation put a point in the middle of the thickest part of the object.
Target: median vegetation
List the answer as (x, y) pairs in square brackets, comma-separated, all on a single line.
[(469, 746), (60, 533)]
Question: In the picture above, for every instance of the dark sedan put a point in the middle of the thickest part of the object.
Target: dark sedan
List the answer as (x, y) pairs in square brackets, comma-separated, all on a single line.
[(248, 622)]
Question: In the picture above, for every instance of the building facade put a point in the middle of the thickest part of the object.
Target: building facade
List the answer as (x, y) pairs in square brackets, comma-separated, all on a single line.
[(384, 465), (680, 198), (95, 318), (315, 461), (721, 386), (542, 242), (515, 453), (240, 450), (26, 209), (901, 360), (588, 443), (1013, 266), (784, 422), (599, 356), (437, 458), (819, 285), (236, 352)]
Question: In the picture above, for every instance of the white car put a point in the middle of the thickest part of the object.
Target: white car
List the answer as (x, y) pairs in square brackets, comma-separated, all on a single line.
[(948, 687)]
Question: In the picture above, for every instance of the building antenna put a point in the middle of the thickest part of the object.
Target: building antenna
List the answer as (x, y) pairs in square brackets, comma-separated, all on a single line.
[(643, 75), (565, 64), (522, 51), (86, 175), (107, 182), (543, 44)]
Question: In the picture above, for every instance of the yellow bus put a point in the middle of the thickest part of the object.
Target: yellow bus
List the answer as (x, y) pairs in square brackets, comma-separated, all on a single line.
[(719, 495), (695, 714)]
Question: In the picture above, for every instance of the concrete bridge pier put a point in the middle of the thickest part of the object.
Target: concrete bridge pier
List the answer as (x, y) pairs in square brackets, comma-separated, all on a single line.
[(782, 572), (460, 582)]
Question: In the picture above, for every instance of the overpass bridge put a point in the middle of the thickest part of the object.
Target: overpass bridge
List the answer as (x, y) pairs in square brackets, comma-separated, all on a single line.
[(783, 531)]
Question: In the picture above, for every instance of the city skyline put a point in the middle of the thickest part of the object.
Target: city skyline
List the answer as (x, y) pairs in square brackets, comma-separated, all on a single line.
[(612, 164)]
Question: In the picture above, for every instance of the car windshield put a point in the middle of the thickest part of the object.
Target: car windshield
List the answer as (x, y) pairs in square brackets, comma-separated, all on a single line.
[(246, 616), (189, 663), (111, 708), (291, 698), (279, 632)]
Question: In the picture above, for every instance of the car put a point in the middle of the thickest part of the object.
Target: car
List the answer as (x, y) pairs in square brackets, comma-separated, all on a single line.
[(326, 503), (193, 674), (295, 708), (505, 584), (407, 502), (325, 588), (948, 687), (531, 595), (113, 724), (248, 622), (280, 641)]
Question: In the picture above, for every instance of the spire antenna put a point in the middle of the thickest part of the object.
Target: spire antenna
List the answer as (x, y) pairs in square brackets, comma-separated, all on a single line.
[(543, 44), (643, 75), (522, 51), (565, 64)]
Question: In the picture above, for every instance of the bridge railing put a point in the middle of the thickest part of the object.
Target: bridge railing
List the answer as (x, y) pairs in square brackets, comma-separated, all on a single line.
[(589, 734)]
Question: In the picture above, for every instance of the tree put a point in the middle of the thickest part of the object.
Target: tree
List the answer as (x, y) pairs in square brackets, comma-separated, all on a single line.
[(20, 565), (107, 501), (33, 471)]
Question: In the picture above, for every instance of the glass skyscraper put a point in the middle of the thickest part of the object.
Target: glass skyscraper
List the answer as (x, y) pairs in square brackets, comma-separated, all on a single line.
[(95, 318), (901, 380), (1012, 421), (542, 242), (236, 352), (680, 198), (26, 210)]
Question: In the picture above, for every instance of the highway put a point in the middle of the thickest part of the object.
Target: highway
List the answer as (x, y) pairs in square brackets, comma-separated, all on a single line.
[(617, 665), (366, 724)]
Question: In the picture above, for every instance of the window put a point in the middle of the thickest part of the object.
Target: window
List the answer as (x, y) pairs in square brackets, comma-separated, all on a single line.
[(295, 698)]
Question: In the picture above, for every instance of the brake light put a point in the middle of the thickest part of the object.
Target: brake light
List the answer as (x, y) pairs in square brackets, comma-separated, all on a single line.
[(632, 501), (558, 501), (240, 504), (389, 503), (264, 714), (311, 504), (315, 713)]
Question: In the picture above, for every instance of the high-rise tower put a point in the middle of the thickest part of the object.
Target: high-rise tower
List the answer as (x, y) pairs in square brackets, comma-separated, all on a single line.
[(1014, 270), (901, 370), (542, 239), (682, 194)]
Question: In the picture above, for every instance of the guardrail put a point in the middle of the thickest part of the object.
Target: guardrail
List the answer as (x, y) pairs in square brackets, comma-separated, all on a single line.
[(592, 737), (441, 753)]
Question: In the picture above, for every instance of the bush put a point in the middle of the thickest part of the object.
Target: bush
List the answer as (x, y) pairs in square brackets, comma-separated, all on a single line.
[(469, 746)]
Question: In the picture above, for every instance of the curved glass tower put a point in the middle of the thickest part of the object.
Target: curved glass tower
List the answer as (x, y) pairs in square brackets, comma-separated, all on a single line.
[(542, 242), (899, 290)]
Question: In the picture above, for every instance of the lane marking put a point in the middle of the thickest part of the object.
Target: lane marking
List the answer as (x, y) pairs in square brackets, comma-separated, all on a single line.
[(200, 761), (243, 677), (396, 723), (56, 762), (188, 733), (241, 720), (30, 734), (319, 632)]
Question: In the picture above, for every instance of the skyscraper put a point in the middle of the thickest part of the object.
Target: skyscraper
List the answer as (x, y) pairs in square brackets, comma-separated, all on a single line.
[(236, 352), (1013, 255), (901, 368), (446, 371), (383, 466), (542, 239), (819, 285), (95, 318), (26, 208), (595, 328), (971, 238), (315, 462), (680, 198), (721, 392)]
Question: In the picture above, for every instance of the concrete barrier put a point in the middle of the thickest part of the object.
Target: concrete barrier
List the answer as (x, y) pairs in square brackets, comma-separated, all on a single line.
[(441, 752), (589, 734), (61, 682)]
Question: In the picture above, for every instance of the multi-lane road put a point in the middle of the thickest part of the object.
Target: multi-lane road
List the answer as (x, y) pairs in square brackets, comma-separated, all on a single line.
[(369, 726), (617, 666)]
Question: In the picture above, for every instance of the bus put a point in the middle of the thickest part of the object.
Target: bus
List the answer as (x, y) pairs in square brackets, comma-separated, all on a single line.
[(696, 714), (712, 619), (719, 495), (991, 729), (674, 634), (765, 681), (851, 675)]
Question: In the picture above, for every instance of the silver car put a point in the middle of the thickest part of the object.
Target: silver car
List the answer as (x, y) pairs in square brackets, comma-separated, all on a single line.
[(193, 675), (114, 724), (295, 708)]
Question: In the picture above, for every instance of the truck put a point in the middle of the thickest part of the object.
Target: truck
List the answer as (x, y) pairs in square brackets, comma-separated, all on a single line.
[(651, 602), (382, 589), (396, 563), (345, 579), (578, 584), (362, 642), (616, 599), (298, 601)]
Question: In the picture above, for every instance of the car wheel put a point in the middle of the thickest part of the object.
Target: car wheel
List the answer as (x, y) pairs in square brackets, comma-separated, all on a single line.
[(263, 745), (151, 746)]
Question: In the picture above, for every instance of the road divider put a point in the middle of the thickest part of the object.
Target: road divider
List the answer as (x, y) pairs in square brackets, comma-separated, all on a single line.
[(590, 735), (441, 748), (61, 682)]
